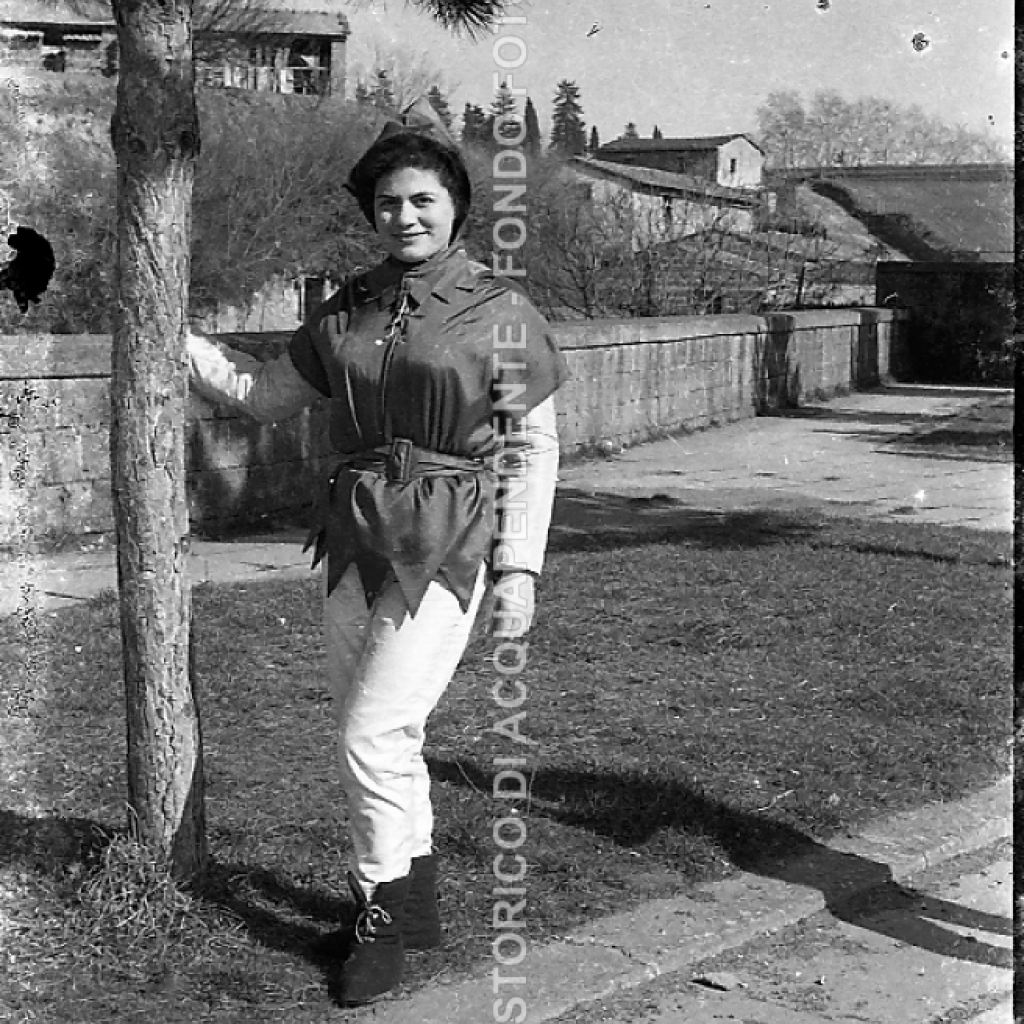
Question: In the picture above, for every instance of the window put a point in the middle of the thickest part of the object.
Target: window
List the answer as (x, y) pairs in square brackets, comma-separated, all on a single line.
[(732, 165), (311, 294), (309, 61), (15, 39)]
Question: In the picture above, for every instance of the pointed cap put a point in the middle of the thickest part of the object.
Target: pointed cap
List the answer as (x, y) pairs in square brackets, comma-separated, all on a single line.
[(419, 118)]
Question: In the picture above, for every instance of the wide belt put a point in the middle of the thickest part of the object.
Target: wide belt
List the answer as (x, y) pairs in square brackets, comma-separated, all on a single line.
[(402, 461)]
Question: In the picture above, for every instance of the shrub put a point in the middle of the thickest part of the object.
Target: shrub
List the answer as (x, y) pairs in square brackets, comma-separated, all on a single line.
[(961, 330), (269, 199)]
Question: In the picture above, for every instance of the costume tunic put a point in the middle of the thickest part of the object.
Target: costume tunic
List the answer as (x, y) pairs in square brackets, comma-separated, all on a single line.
[(441, 354)]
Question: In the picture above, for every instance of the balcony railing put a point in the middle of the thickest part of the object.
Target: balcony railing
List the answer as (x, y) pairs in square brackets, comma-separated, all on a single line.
[(312, 81)]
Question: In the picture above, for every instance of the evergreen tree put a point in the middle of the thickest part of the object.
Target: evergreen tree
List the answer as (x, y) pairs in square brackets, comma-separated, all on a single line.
[(439, 102), (531, 141), (468, 124), (657, 133), (568, 131), (474, 125), (631, 132), (382, 95), (504, 106), (595, 141)]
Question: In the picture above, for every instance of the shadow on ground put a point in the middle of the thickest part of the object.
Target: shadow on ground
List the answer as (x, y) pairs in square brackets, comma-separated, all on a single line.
[(48, 844), (982, 432), (584, 521), (278, 914), (629, 810)]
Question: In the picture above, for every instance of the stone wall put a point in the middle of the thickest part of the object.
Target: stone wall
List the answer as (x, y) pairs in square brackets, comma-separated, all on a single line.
[(632, 380)]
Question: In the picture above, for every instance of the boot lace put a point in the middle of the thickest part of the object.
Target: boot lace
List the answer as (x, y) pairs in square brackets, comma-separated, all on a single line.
[(370, 917)]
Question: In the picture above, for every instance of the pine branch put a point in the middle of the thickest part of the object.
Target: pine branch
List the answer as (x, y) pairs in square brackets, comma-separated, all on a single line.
[(470, 16)]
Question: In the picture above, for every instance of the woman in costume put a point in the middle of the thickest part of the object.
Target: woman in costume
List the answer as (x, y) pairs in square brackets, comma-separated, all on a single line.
[(440, 378)]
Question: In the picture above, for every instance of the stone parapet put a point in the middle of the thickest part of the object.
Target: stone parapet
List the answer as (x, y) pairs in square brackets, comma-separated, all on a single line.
[(631, 381)]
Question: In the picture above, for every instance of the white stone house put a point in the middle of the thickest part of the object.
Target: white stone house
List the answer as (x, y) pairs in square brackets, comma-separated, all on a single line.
[(662, 205), (730, 161)]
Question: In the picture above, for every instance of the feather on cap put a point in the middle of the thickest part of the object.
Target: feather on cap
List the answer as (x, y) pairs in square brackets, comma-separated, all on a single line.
[(420, 118)]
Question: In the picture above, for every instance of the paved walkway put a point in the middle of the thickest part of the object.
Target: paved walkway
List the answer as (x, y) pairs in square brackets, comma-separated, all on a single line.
[(882, 453), (878, 454)]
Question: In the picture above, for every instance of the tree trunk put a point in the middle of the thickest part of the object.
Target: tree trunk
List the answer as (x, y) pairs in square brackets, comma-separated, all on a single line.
[(155, 133)]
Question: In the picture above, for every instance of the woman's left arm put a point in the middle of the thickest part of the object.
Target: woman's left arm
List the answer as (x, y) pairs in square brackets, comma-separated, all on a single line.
[(526, 495)]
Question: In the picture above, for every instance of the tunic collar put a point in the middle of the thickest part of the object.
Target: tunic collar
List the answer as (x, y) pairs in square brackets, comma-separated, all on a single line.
[(441, 276)]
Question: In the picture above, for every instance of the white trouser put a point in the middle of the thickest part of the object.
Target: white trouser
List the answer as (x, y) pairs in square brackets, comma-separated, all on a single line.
[(387, 670)]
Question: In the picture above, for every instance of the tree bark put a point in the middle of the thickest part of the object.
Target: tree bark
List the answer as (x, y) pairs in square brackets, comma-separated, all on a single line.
[(155, 134)]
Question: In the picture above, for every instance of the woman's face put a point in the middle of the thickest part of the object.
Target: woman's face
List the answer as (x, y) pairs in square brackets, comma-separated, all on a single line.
[(414, 214)]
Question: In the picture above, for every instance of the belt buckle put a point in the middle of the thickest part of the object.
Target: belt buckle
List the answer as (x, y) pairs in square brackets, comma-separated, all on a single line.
[(400, 461)]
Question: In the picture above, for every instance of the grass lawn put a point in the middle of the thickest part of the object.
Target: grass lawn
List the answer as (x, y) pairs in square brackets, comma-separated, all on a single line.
[(702, 692)]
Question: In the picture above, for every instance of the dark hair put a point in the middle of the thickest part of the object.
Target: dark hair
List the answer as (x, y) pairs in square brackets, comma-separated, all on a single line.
[(408, 149)]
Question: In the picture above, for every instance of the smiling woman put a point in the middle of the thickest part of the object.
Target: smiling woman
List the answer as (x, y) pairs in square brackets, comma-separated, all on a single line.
[(414, 214), (443, 480)]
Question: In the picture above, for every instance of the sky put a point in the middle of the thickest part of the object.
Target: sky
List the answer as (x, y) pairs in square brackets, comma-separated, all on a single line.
[(702, 67)]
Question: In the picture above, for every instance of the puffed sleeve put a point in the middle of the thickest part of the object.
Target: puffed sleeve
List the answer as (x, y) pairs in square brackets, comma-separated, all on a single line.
[(309, 347), (267, 391), (306, 358), (528, 366)]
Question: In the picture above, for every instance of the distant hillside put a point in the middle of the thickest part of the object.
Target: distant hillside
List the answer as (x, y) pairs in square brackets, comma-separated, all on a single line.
[(940, 212)]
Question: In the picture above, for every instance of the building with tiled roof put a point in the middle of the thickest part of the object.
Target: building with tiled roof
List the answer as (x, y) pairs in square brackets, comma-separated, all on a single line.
[(295, 49), (664, 204), (732, 161)]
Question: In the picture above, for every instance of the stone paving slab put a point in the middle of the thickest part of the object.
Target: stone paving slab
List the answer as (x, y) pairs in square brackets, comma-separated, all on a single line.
[(848, 456), (66, 579), (938, 951)]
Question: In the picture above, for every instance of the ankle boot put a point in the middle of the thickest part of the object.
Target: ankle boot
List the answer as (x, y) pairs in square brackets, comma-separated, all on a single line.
[(378, 957), (421, 928)]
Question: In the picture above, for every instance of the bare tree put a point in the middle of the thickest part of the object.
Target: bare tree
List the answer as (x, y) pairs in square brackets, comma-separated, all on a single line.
[(268, 201), (155, 133), (598, 251), (410, 74), (833, 131)]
